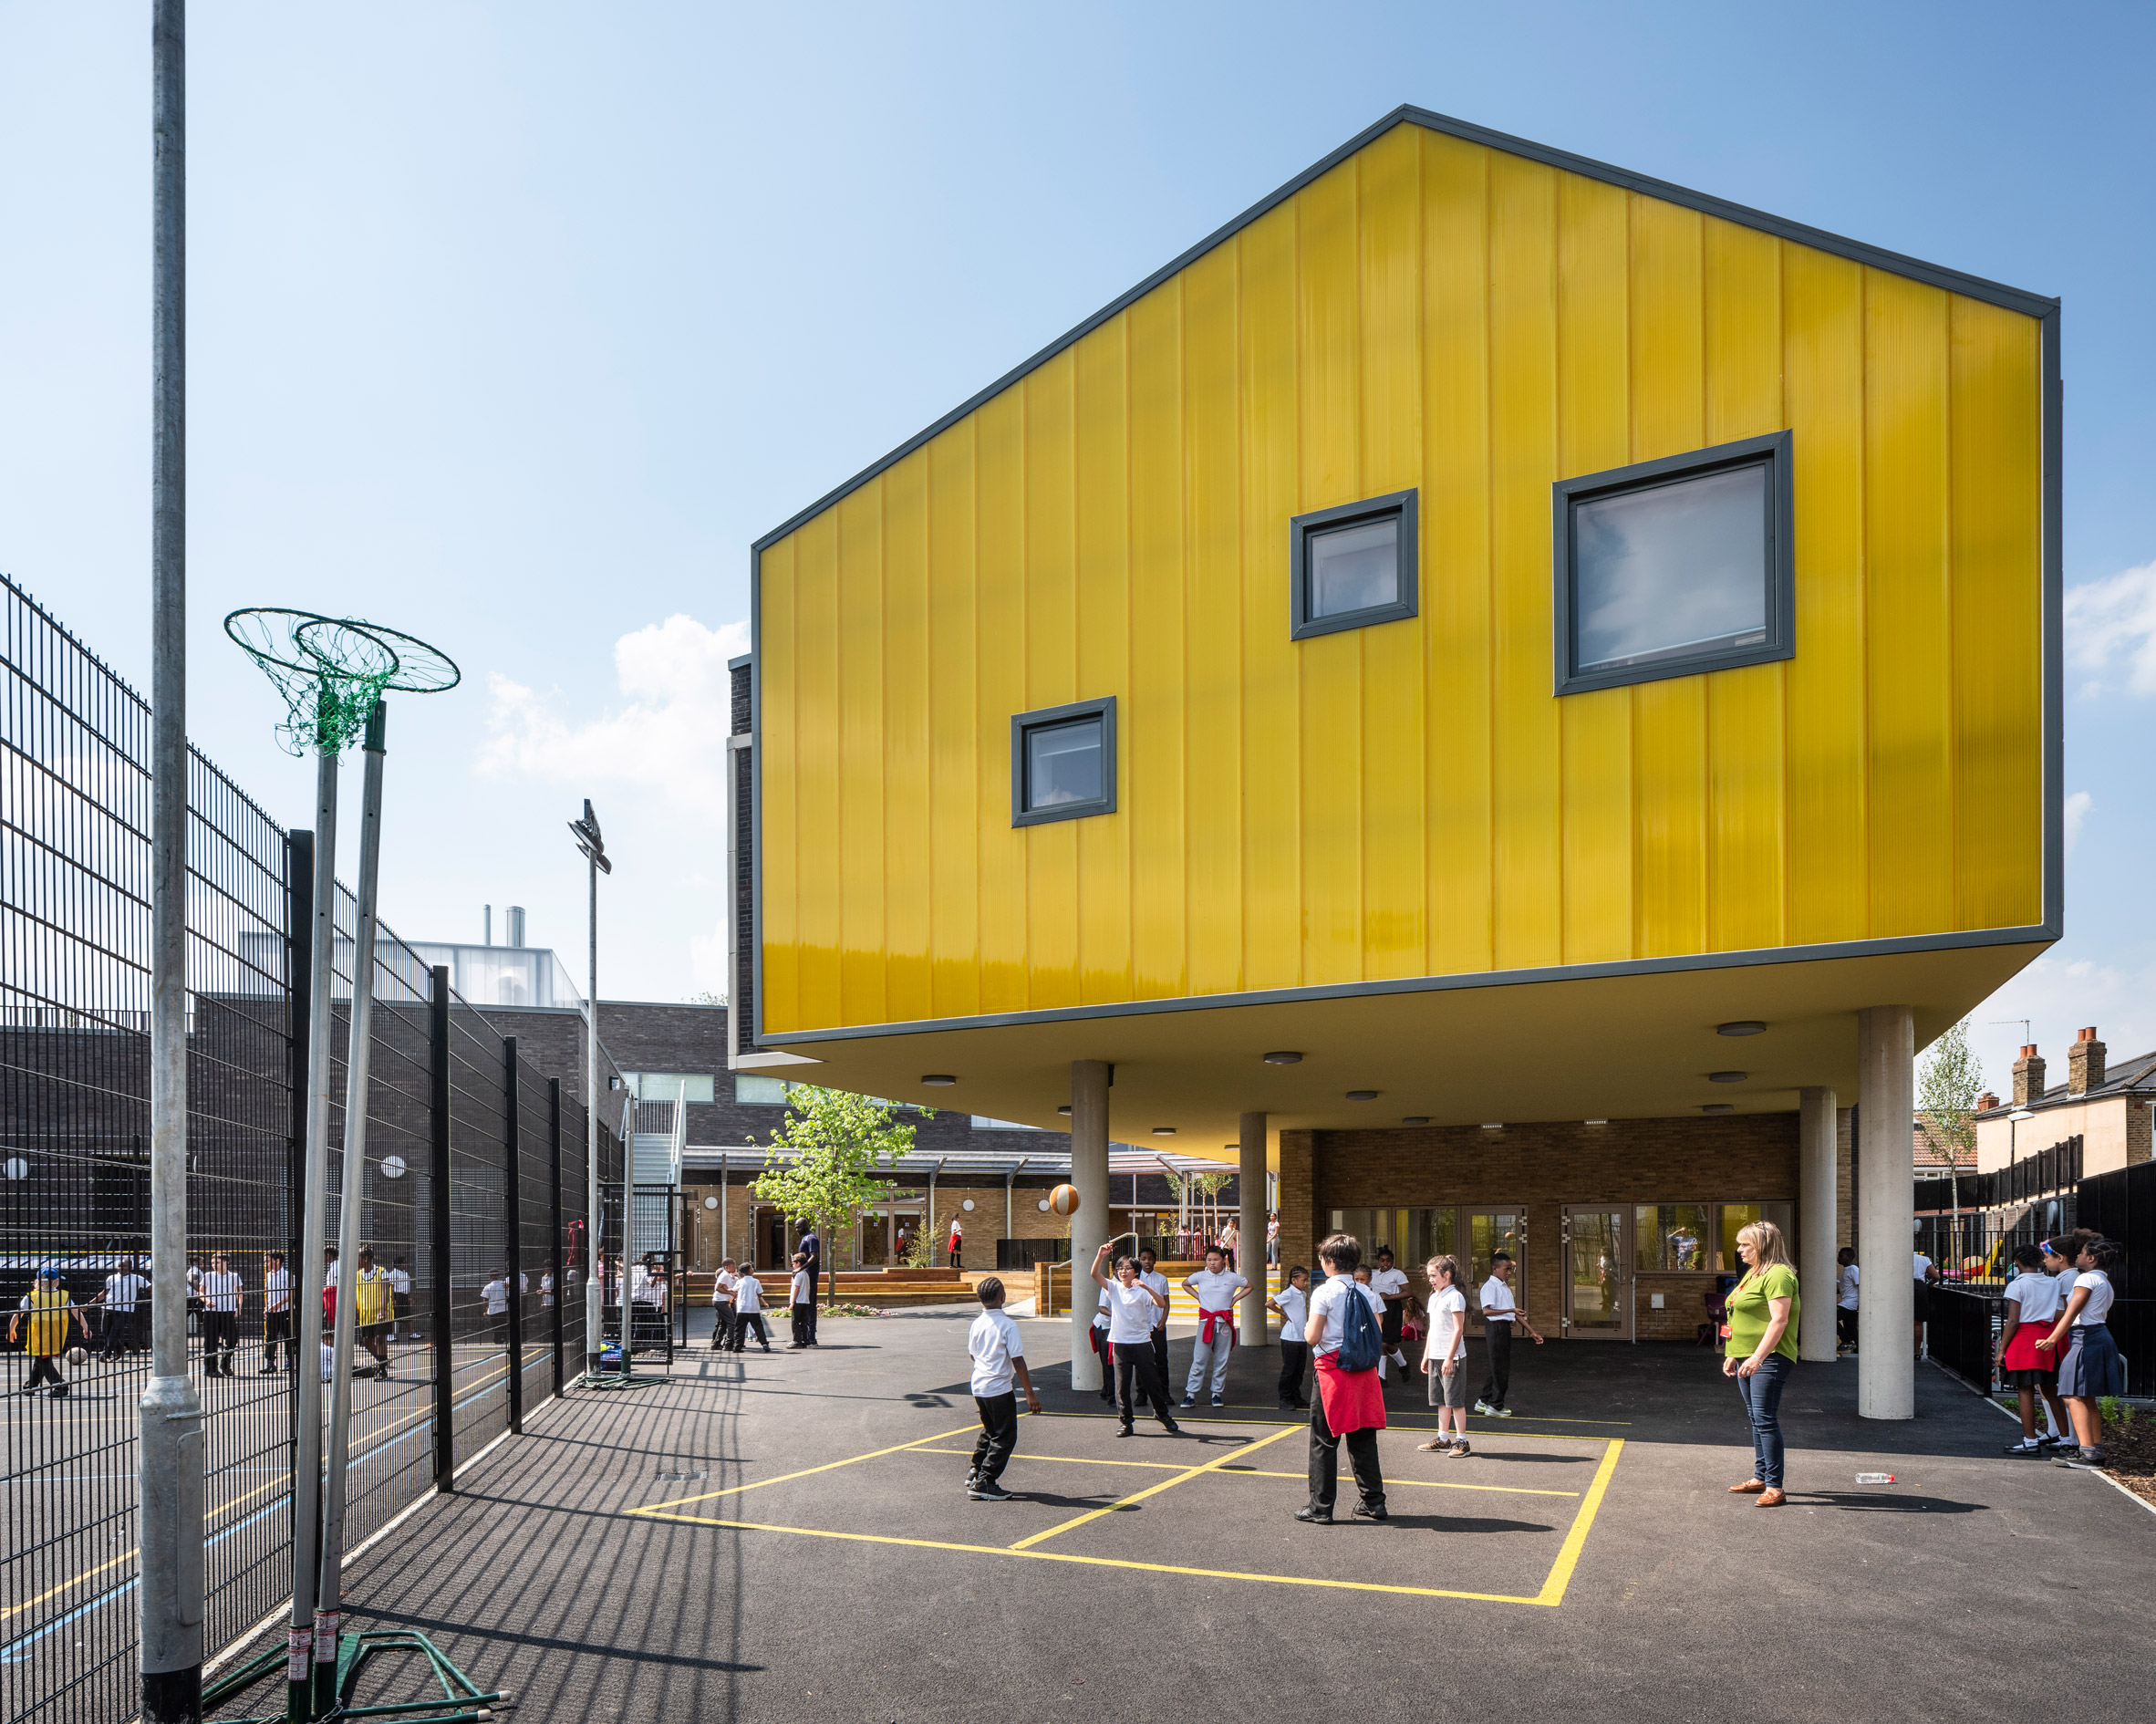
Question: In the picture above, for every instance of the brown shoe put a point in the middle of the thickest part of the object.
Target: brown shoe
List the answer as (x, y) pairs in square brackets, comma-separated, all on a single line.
[(1770, 1498), (1751, 1488)]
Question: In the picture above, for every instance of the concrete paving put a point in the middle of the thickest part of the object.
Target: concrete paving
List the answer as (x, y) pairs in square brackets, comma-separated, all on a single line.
[(786, 1537)]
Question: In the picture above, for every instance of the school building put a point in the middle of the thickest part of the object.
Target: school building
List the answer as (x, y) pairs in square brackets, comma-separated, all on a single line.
[(1510, 695)]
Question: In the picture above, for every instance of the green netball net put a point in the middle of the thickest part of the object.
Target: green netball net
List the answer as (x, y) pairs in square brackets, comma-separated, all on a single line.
[(332, 670)]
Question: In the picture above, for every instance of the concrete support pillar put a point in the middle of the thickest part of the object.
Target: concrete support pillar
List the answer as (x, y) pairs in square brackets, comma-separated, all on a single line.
[(1089, 1227), (1886, 1214), (1249, 1135), (1816, 1231)]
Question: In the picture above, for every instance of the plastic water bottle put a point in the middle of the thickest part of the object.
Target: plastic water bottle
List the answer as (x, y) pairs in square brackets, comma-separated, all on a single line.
[(1875, 1478)]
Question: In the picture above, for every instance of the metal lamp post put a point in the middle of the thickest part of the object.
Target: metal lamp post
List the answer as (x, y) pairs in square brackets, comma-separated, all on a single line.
[(593, 847)]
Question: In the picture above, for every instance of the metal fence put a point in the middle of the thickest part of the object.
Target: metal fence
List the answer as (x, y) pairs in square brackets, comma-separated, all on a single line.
[(2121, 1206), (464, 1182)]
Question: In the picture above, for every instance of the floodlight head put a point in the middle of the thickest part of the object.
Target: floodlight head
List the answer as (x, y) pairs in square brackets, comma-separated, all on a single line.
[(588, 840)]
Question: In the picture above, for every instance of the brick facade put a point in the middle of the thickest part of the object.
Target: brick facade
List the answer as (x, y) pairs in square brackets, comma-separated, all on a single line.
[(1745, 1158)]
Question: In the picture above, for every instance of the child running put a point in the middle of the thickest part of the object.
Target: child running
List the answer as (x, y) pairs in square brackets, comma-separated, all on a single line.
[(1444, 1360), (999, 1355), (49, 1308)]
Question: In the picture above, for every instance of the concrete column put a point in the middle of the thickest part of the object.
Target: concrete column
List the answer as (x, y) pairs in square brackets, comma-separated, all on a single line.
[(1816, 1231), (1249, 1135), (1886, 1214), (1089, 1227)]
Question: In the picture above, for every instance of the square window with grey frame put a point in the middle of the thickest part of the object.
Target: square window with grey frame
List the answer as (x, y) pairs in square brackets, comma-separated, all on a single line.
[(1675, 567), (1063, 763), (1352, 566)]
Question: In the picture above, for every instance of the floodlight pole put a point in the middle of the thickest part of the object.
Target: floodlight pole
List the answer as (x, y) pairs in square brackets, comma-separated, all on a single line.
[(169, 1481), (306, 1314), (329, 1593), (592, 844)]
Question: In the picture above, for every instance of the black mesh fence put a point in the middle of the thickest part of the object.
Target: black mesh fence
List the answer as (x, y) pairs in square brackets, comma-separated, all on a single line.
[(74, 1188)]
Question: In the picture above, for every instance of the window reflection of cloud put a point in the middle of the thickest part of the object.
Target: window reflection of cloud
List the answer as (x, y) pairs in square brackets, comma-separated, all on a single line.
[(1356, 567), (1065, 765), (1675, 567)]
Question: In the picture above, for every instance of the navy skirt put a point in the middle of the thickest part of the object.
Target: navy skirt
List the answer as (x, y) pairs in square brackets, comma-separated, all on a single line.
[(2091, 1366)]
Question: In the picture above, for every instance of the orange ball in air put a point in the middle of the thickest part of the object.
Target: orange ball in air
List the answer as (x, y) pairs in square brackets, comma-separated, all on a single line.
[(1063, 1200)]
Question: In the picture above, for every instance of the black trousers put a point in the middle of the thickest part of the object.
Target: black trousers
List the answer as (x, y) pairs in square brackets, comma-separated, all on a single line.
[(805, 1318), (220, 1339), (741, 1331), (814, 1271), (45, 1368), (1294, 1362), (999, 1434), (1138, 1379), (721, 1326), (1389, 1327), (1324, 1462), (1499, 1335), (1160, 1349), (1845, 1328), (119, 1333), (277, 1326)]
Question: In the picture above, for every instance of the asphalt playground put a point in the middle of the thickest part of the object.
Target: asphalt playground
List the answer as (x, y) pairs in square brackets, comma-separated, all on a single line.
[(787, 1536)]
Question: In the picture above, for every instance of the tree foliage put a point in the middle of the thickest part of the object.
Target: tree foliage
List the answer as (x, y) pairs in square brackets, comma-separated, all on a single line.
[(838, 1146), (1949, 1083)]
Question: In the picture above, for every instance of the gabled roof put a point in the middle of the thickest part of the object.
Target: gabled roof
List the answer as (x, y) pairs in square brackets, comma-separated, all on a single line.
[(2029, 304), (1932, 1156), (2135, 1075)]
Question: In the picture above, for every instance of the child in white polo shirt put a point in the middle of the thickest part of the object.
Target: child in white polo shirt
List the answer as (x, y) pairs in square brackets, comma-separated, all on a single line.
[(1215, 1288), (999, 1355), (1292, 1301)]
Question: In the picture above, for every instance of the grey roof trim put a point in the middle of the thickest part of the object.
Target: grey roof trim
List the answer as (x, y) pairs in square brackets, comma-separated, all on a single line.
[(1937, 276), (1440, 984)]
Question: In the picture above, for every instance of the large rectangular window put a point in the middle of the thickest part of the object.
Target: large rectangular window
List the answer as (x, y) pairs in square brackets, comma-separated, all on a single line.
[(1675, 567), (1699, 1237), (695, 1086), (1063, 763), (1352, 565)]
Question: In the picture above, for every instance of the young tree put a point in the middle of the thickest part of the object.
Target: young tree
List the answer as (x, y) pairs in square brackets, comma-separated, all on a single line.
[(839, 1144), (1948, 1086), (1212, 1184)]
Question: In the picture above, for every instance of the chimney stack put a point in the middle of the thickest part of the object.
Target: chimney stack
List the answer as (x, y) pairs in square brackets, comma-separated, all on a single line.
[(2029, 1076), (2085, 1063), (1986, 1102), (517, 925), (488, 914)]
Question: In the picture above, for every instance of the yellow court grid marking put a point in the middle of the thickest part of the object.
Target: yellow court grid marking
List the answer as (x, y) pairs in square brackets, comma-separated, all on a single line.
[(1189, 1473), (1551, 1593), (1486, 1429), (1255, 1472)]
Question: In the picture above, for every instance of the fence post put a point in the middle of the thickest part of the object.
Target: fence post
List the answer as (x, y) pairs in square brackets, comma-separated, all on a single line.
[(438, 1203), (513, 1253), (554, 1228), (299, 975)]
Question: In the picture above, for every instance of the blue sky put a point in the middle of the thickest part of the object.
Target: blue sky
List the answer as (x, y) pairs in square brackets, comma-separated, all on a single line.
[(513, 325)]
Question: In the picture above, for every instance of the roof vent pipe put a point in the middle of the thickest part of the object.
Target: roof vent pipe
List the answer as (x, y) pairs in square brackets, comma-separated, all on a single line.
[(517, 925), (488, 937)]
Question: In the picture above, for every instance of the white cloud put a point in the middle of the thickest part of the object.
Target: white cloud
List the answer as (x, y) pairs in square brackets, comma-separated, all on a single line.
[(707, 959), (669, 736), (2057, 995), (2076, 810), (2110, 629)]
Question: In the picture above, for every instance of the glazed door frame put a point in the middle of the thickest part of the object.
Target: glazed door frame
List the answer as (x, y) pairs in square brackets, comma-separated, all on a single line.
[(1605, 1228)]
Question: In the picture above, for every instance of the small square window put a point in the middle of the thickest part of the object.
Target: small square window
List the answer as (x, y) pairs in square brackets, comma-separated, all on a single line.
[(1063, 763), (1675, 567), (1352, 566)]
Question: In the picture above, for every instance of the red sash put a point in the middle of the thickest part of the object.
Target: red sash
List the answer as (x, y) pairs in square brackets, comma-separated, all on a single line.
[(1207, 1319), (2021, 1353), (1353, 1400)]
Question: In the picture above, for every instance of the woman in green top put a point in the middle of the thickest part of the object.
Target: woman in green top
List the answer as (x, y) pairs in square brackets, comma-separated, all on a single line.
[(1760, 1351)]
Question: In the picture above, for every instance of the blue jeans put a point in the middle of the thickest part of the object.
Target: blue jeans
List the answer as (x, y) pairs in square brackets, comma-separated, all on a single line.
[(1762, 1394)]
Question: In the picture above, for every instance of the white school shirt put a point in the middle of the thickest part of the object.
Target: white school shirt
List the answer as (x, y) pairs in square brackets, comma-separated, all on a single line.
[(1294, 1309), (1159, 1283), (546, 1289), (220, 1289), (1326, 1304), (277, 1290), (722, 1287), (122, 1290), (2066, 1278), (329, 1273), (993, 1342), (1130, 1314), (803, 1294), (749, 1295), (1388, 1283), (2038, 1294), (1448, 1321), (496, 1294), (2099, 1296), (1923, 1264), (1495, 1292), (1216, 1292), (1100, 1315), (401, 1282), (1846, 1284)]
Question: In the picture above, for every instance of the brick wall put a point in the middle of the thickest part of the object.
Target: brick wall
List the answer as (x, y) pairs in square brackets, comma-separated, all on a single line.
[(1740, 1157)]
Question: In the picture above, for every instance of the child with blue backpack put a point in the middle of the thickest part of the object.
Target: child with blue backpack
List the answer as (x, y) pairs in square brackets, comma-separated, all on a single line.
[(1345, 1334)]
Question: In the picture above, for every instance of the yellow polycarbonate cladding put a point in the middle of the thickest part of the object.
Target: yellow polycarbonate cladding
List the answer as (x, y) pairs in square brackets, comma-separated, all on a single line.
[(1410, 799)]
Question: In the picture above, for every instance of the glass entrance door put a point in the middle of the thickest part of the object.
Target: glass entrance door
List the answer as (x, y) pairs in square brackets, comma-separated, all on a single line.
[(1597, 1274), (1490, 1231)]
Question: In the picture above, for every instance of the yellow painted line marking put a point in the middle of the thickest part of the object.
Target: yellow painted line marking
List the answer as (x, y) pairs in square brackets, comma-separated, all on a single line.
[(1486, 1429), (1568, 1556), (1153, 1491), (829, 1466), (1253, 1472), (1097, 1562)]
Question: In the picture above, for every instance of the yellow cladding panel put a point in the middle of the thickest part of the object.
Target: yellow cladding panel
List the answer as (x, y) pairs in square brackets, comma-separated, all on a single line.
[(1410, 799)]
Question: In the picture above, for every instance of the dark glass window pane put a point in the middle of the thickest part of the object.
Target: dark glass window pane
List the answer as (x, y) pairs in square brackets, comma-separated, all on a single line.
[(1063, 763), (1671, 571), (1354, 567)]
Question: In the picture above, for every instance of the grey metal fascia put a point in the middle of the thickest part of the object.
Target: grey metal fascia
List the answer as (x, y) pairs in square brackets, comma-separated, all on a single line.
[(2054, 646), (2029, 304)]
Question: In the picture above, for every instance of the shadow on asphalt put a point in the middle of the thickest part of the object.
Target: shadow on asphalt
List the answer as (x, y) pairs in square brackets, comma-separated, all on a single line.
[(1868, 1503)]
